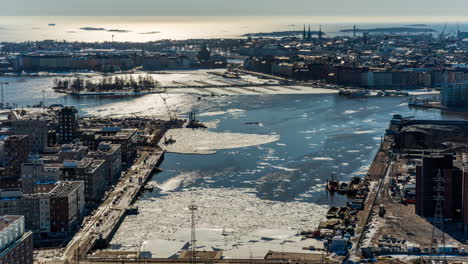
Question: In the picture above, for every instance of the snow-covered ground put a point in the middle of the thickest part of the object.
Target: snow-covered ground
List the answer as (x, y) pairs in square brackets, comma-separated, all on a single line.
[(233, 220), (253, 90), (202, 141)]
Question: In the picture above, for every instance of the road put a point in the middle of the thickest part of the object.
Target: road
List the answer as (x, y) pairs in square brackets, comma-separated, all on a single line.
[(104, 219)]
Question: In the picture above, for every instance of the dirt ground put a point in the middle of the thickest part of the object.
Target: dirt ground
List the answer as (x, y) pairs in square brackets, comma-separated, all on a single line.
[(377, 168), (401, 221)]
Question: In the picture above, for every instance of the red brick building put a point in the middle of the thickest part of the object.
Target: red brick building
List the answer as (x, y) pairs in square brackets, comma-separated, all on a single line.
[(455, 187)]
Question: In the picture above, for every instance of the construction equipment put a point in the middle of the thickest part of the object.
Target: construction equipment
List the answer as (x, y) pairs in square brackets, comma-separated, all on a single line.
[(382, 210)]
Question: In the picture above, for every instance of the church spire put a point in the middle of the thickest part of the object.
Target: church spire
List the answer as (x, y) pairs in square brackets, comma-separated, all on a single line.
[(320, 31), (304, 33), (309, 34)]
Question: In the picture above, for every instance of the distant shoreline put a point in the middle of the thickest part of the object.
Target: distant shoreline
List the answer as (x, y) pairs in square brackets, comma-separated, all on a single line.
[(281, 33), (391, 30)]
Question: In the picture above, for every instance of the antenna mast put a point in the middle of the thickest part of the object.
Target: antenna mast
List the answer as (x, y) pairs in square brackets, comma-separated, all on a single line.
[(193, 240)]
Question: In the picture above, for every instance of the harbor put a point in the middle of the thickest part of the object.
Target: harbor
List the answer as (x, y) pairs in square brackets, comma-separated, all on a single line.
[(274, 179), (161, 133)]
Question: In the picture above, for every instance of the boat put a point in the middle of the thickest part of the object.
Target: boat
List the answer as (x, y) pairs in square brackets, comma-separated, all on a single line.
[(332, 184), (194, 122), (343, 212), (231, 75), (332, 212), (343, 187), (354, 185)]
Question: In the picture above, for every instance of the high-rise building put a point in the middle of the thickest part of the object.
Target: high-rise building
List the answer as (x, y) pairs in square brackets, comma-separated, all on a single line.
[(94, 174), (126, 138), (36, 130), (72, 152), (54, 207), (31, 172), (112, 153), (16, 244), (15, 150), (68, 125)]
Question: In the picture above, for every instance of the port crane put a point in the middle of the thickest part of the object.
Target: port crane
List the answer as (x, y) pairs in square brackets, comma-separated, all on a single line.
[(442, 33), (171, 114)]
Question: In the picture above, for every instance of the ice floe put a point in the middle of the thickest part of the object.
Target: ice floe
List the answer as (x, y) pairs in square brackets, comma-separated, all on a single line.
[(202, 141)]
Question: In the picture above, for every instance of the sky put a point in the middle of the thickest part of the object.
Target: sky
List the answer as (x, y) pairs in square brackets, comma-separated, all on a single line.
[(423, 8)]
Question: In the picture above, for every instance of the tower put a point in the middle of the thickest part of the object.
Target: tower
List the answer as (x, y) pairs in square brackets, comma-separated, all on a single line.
[(193, 240), (309, 34), (438, 212), (354, 31), (304, 33), (68, 125), (320, 32)]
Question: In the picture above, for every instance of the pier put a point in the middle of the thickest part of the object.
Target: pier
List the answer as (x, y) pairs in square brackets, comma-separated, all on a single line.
[(98, 230), (207, 261)]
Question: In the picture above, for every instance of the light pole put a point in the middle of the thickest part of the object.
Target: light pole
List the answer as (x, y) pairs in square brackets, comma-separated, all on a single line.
[(3, 98)]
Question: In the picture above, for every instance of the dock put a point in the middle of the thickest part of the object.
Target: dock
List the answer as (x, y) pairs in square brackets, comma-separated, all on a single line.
[(207, 261), (98, 230)]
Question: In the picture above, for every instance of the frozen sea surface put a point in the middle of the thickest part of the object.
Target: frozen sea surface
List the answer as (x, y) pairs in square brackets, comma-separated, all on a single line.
[(260, 195), (228, 219), (305, 138), (202, 141)]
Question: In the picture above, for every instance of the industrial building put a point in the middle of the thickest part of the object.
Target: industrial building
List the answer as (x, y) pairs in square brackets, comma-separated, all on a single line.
[(449, 170)]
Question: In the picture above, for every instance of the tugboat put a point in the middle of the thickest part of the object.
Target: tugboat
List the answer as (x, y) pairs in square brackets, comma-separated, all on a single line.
[(333, 184), (343, 187), (354, 185), (193, 121)]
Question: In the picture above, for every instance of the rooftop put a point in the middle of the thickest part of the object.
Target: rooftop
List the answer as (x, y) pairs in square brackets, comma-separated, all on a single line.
[(7, 220)]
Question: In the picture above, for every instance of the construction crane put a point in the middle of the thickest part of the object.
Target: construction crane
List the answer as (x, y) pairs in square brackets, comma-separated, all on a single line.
[(442, 33), (171, 114)]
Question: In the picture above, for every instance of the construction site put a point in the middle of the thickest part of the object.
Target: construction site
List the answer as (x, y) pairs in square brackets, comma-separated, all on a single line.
[(394, 222)]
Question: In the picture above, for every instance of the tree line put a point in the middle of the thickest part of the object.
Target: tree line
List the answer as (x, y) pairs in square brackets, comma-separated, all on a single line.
[(140, 83)]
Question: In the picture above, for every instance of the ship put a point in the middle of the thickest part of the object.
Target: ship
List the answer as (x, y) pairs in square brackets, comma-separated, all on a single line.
[(332, 184), (194, 122)]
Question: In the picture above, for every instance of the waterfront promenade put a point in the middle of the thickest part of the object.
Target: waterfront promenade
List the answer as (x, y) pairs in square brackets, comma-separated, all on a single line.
[(100, 226)]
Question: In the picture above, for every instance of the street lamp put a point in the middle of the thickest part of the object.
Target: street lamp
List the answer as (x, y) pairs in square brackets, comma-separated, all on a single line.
[(3, 98)]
